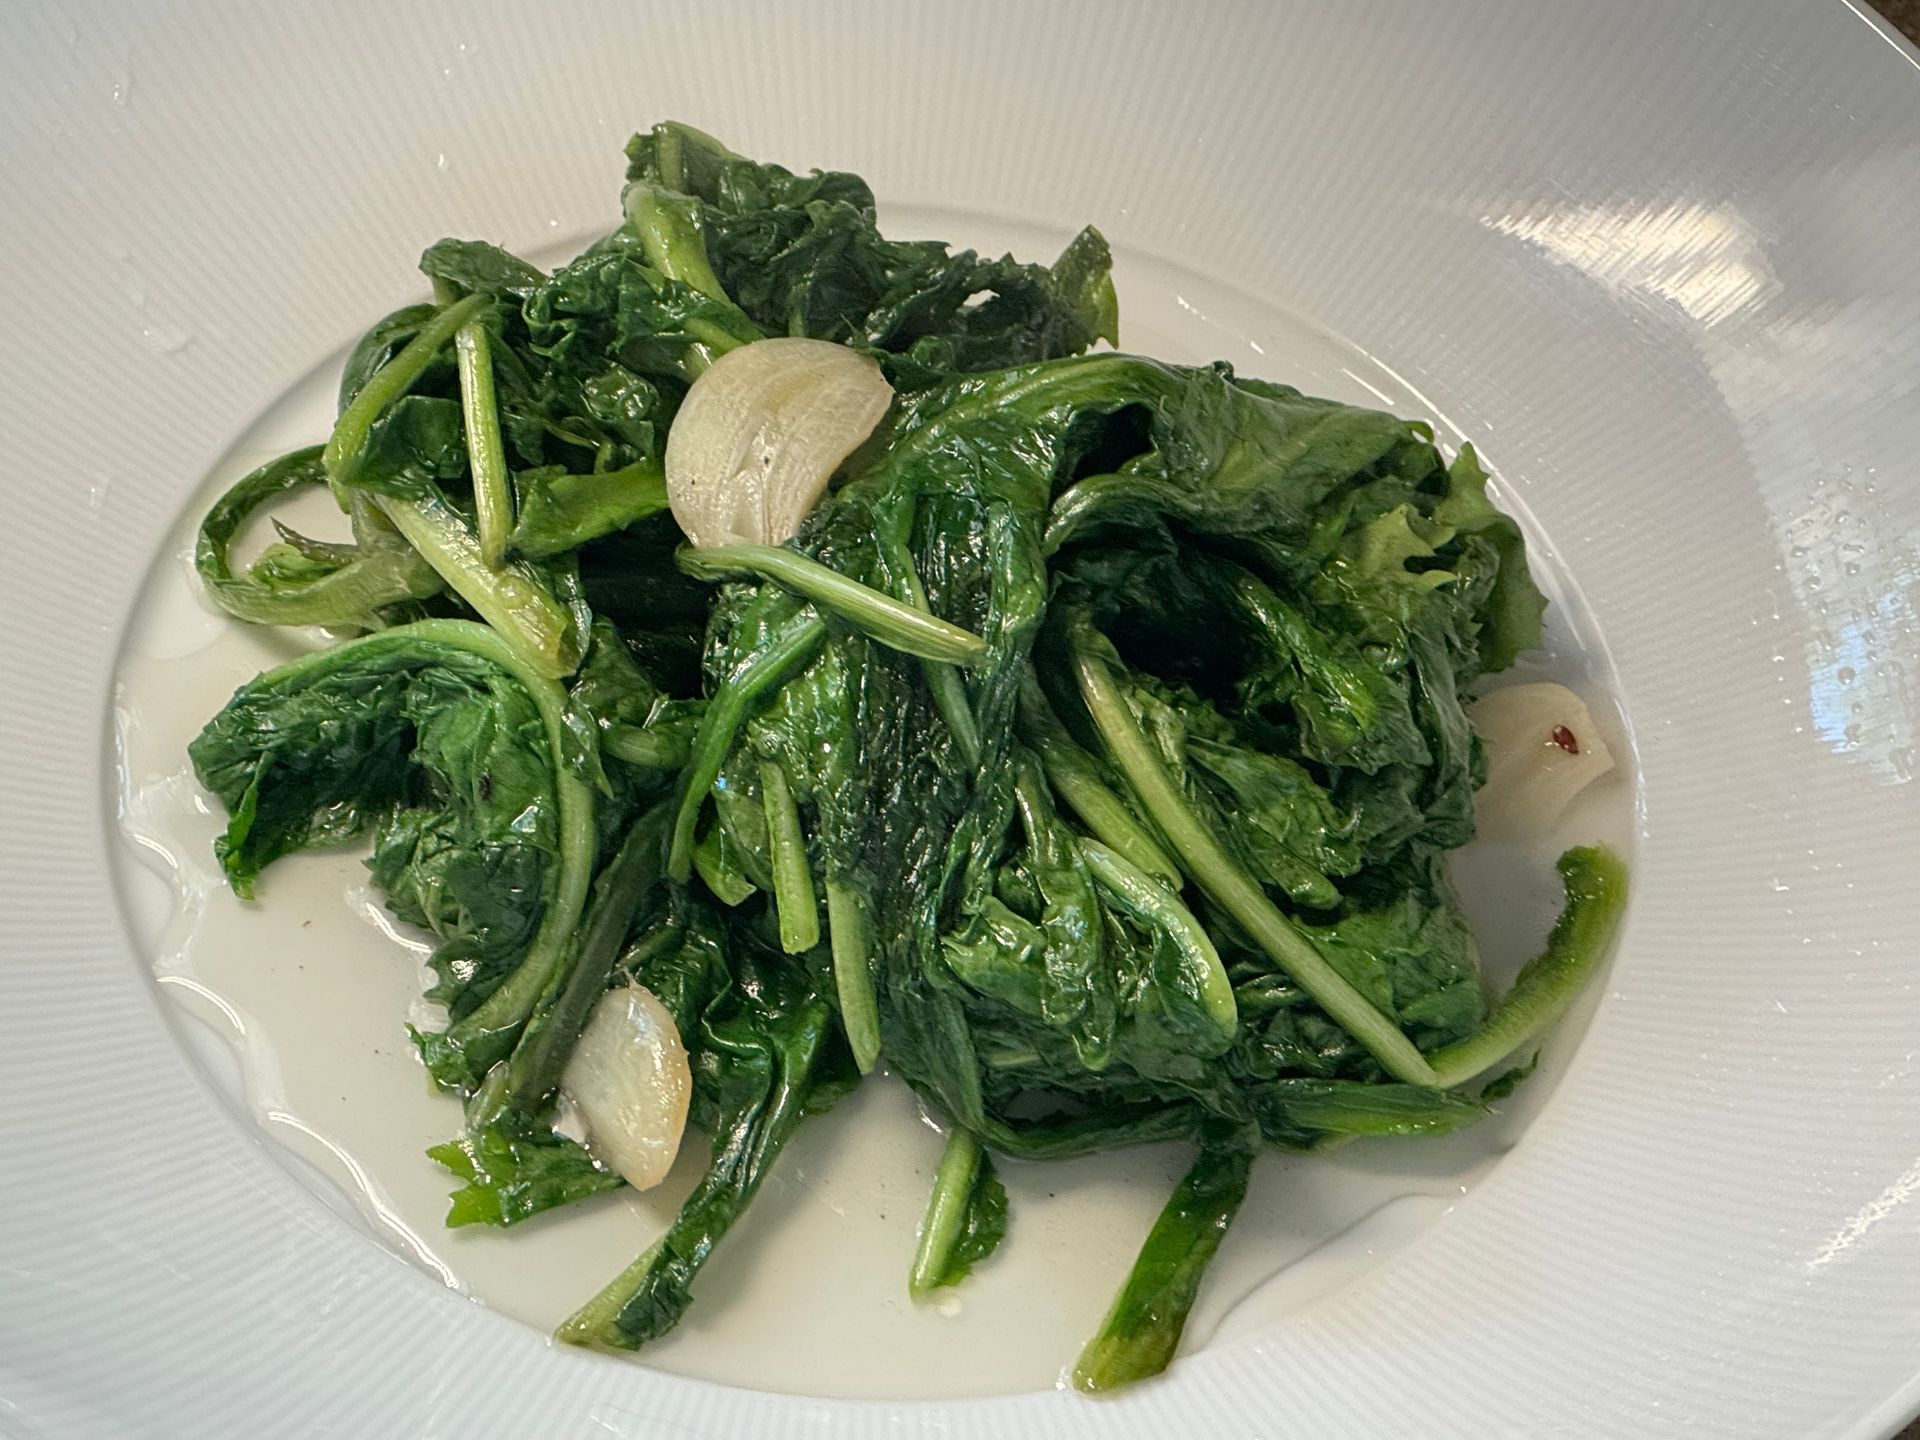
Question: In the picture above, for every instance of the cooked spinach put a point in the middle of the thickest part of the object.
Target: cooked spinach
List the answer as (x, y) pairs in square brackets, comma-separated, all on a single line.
[(1091, 757)]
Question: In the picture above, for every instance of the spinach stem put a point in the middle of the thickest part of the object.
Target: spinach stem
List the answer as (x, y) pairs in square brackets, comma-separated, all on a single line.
[(1230, 886), (511, 599), (669, 231), (534, 1068), (714, 861), (390, 382), (1075, 777), (1596, 889), (1142, 1330), (1147, 898), (486, 452), (873, 612), (770, 667), (378, 573), (596, 1323), (852, 942), (946, 1212), (792, 881), (670, 238), (660, 748), (950, 699), (647, 1298), (949, 690)]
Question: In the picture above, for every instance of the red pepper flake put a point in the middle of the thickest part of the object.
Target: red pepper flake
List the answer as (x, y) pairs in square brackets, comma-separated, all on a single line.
[(1565, 739)]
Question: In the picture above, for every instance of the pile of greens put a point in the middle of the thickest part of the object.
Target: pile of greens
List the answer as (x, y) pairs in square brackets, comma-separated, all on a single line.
[(1146, 842)]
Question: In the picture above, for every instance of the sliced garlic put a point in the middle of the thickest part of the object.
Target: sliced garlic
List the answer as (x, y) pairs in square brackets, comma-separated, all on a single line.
[(762, 431), (1543, 749), (628, 1077)]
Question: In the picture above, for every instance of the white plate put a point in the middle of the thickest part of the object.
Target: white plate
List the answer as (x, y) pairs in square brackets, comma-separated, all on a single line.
[(1657, 258)]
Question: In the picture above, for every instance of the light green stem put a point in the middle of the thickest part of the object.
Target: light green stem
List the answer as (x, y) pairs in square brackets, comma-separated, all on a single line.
[(486, 452), (724, 716), (873, 612), (1075, 777), (946, 1212), (670, 238), (1596, 884), (949, 690), (714, 863), (391, 381), (792, 881), (1142, 1329), (511, 599), (1150, 901), (647, 749), (1231, 887), (852, 940)]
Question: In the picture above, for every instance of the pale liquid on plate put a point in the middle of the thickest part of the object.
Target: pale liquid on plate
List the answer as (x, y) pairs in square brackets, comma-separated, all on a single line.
[(297, 1005)]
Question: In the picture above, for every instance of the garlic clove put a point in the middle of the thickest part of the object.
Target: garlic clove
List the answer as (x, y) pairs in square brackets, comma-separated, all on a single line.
[(762, 431), (629, 1079), (1542, 750)]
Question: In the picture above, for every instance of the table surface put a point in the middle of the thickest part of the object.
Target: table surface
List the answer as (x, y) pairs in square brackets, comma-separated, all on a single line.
[(1903, 13)]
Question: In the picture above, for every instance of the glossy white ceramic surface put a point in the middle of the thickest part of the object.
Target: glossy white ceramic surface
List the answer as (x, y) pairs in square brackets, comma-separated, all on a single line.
[(1657, 258)]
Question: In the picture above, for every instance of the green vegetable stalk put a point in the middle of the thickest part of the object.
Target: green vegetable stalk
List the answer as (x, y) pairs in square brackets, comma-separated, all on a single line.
[(1596, 889), (726, 712), (966, 1217), (510, 598), (486, 455), (875, 614), (851, 937), (1210, 867), (302, 582), (1142, 1330), (792, 880), (345, 446), (1075, 775)]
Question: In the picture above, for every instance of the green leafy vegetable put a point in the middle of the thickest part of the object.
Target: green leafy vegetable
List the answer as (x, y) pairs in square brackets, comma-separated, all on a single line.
[(1089, 759), (763, 1043), (436, 739), (513, 1162), (299, 582)]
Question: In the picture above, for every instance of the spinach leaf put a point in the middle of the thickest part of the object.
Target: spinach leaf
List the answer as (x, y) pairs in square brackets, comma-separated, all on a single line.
[(478, 268), (434, 738), (802, 255), (300, 581), (516, 1167)]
